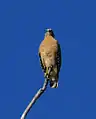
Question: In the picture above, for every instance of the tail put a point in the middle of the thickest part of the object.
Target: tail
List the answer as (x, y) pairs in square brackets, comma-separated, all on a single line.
[(53, 79), (53, 84)]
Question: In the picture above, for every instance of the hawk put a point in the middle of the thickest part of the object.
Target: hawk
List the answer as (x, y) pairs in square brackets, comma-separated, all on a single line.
[(50, 58)]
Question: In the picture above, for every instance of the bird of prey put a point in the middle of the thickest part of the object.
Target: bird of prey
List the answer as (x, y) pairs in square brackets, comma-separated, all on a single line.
[(50, 58)]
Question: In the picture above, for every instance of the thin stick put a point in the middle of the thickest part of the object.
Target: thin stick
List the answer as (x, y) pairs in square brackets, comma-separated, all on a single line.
[(38, 94)]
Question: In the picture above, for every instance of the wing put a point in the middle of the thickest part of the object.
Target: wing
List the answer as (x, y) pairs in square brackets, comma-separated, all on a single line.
[(58, 58), (42, 63)]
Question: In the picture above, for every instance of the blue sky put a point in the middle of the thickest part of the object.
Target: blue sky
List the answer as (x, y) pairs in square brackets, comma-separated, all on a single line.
[(22, 25)]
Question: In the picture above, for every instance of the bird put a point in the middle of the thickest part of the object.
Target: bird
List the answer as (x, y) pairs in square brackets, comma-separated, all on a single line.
[(50, 57)]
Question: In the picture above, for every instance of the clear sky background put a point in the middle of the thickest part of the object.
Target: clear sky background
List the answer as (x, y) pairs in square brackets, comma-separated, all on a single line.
[(22, 25)]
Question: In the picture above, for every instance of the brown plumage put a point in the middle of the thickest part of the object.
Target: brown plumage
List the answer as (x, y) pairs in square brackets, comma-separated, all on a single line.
[(50, 57)]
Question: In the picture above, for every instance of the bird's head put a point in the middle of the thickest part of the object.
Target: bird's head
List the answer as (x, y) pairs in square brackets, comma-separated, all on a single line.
[(49, 32)]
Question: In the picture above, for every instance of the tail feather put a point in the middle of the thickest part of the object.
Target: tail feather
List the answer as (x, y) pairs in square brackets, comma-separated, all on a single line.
[(52, 76), (53, 84)]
